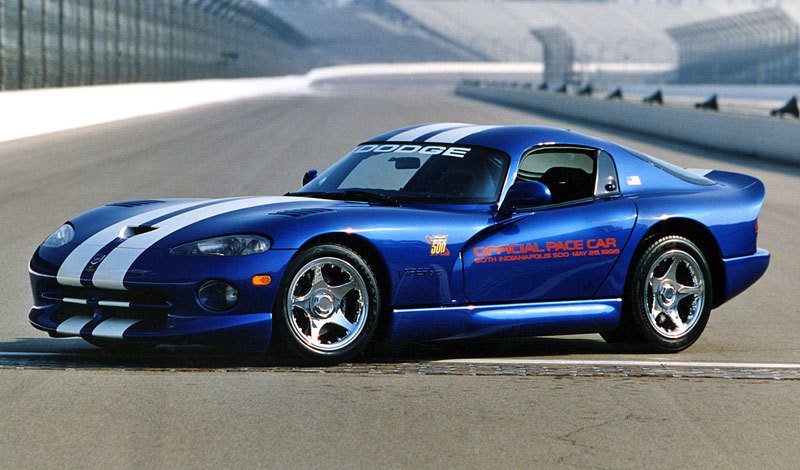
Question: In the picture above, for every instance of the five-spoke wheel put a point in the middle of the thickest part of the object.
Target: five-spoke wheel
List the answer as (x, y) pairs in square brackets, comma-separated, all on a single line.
[(675, 295), (667, 297), (328, 305)]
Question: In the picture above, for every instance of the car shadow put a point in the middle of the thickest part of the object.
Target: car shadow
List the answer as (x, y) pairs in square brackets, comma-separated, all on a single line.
[(498, 348), (74, 353)]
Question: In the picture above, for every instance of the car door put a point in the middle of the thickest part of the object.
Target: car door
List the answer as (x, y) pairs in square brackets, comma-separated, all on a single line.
[(563, 250)]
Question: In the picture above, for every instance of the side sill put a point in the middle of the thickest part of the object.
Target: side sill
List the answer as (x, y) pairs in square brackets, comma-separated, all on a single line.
[(522, 319)]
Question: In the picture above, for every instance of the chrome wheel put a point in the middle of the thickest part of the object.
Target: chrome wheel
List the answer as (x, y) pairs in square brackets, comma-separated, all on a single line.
[(675, 294), (328, 304)]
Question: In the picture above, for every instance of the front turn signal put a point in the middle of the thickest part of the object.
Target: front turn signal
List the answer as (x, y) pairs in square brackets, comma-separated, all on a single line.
[(262, 280)]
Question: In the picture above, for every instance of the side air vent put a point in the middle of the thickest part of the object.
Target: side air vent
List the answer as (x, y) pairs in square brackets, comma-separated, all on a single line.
[(142, 202), (301, 212)]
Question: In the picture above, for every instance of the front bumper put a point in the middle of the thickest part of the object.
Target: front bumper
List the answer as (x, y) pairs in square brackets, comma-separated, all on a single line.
[(244, 332), (161, 306)]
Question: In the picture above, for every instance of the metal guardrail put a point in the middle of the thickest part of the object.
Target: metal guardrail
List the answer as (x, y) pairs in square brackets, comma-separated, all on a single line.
[(759, 136), (56, 43)]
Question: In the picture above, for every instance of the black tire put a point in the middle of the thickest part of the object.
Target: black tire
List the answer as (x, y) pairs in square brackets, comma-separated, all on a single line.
[(331, 319), (668, 297), (618, 336)]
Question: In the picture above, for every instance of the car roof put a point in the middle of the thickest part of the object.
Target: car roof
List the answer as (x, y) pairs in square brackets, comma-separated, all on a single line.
[(513, 140)]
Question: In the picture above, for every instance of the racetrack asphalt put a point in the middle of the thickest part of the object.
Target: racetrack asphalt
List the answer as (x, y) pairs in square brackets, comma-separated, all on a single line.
[(77, 404)]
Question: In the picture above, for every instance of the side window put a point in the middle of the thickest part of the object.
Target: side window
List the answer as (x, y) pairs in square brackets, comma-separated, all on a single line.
[(607, 184), (570, 173)]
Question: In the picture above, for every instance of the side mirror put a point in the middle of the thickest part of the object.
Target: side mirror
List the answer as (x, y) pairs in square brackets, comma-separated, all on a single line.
[(309, 176), (525, 194)]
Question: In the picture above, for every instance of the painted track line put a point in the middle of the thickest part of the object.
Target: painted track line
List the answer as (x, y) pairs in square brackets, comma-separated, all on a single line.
[(610, 363), (483, 367), (513, 361)]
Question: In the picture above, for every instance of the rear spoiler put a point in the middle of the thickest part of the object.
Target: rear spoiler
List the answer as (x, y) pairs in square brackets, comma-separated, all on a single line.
[(735, 181)]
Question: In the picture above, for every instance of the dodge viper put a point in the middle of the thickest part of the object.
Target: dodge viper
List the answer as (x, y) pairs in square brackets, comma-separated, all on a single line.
[(431, 232)]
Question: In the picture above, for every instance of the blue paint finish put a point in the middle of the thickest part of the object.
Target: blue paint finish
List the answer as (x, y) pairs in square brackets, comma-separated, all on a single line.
[(728, 210), (538, 295), (528, 319), (743, 272), (566, 250), (91, 222)]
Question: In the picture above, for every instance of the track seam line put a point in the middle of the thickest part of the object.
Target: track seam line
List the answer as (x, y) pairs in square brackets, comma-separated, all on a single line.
[(536, 362)]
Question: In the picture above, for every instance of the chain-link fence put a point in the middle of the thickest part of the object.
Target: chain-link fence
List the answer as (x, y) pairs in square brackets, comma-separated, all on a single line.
[(52, 43)]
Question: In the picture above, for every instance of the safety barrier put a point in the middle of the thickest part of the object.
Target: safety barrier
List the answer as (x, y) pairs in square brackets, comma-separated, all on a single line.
[(768, 138)]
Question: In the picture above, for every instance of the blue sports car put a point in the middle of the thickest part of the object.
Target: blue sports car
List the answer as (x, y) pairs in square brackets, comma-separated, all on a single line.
[(430, 232)]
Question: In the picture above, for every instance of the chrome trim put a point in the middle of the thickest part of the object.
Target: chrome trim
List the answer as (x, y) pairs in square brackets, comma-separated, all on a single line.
[(113, 303), (664, 294), (319, 315)]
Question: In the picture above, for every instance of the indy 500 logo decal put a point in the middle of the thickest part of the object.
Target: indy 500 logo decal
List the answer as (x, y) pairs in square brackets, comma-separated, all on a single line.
[(438, 245)]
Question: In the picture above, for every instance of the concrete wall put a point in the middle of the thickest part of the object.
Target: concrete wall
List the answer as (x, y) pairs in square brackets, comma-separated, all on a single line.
[(768, 138)]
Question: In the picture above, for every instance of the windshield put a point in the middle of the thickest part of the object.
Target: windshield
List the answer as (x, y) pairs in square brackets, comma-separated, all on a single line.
[(415, 173)]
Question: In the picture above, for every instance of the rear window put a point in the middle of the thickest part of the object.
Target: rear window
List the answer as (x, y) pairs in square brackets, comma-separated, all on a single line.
[(674, 170)]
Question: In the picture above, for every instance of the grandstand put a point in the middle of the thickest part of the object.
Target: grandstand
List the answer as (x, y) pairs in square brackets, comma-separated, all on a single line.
[(603, 31), (342, 32), (761, 46), (621, 35)]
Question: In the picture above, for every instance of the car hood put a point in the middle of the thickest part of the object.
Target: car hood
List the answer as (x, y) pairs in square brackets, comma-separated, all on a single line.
[(157, 220), (286, 220)]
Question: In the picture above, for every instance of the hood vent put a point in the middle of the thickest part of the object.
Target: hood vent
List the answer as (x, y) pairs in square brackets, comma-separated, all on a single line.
[(302, 212), (142, 202), (132, 231)]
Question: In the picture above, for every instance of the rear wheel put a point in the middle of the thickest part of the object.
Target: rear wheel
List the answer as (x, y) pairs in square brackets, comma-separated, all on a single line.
[(668, 297), (328, 304)]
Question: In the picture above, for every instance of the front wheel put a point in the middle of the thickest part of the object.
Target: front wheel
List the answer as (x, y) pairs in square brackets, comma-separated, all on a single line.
[(328, 305), (668, 298)]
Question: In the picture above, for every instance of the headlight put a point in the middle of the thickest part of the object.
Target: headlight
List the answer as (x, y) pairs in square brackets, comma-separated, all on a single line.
[(232, 245), (60, 237)]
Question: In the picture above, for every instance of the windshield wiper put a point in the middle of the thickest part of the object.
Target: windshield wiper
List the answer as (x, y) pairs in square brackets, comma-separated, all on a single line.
[(370, 196), (347, 194), (319, 194)]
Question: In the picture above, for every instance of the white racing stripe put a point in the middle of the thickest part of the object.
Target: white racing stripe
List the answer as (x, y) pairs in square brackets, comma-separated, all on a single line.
[(69, 274), (112, 270), (454, 135), (114, 327), (578, 362), (73, 325), (411, 134)]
